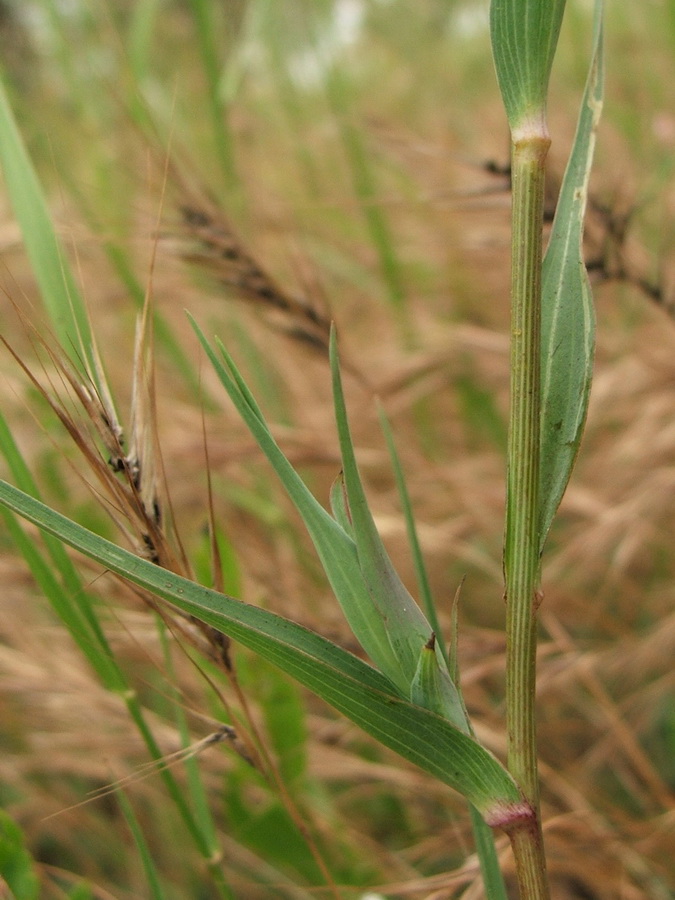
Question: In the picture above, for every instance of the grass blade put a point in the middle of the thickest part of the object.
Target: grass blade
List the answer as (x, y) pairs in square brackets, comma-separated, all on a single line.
[(568, 319), (155, 891), (524, 38), (207, 27), (483, 836), (17, 868), (335, 548), (423, 584), (61, 585), (49, 264), (354, 688), (406, 627)]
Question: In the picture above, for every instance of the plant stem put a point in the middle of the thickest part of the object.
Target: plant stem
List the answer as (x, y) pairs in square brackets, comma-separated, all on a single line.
[(528, 850), (521, 549)]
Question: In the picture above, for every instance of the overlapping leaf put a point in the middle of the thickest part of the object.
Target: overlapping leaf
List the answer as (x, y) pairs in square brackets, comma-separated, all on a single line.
[(354, 688), (335, 547), (408, 631)]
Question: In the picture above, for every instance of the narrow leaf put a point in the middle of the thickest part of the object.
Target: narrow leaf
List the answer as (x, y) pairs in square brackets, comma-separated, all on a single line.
[(490, 868), (58, 578), (354, 688), (483, 836), (405, 624), (568, 320), (334, 546), (17, 867), (48, 261), (155, 890), (423, 583)]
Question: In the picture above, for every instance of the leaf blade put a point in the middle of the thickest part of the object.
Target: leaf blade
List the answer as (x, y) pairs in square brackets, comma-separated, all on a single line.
[(403, 621), (524, 37), (354, 688), (568, 319), (57, 285), (335, 547)]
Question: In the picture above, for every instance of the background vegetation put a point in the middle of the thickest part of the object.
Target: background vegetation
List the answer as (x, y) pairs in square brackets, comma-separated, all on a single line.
[(346, 160)]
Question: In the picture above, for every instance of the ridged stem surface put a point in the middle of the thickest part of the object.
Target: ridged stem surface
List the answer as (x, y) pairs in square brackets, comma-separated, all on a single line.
[(521, 549)]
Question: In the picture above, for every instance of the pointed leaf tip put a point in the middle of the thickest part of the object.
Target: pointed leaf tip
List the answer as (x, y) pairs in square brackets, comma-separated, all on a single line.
[(390, 605), (568, 315)]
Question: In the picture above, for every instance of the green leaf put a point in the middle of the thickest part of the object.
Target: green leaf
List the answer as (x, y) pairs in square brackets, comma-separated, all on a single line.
[(383, 616), (155, 891), (568, 320), (354, 688), (208, 28), (363, 169), (48, 261), (335, 547), (423, 583), (284, 713), (405, 624), (339, 505), (56, 576), (16, 863), (524, 37), (491, 870), (420, 662), (433, 688), (81, 891)]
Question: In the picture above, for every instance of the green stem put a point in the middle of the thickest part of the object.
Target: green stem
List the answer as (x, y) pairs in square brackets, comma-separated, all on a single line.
[(521, 549)]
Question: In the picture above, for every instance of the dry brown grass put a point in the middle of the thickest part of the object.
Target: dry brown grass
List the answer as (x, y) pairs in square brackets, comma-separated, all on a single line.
[(608, 637), (606, 681)]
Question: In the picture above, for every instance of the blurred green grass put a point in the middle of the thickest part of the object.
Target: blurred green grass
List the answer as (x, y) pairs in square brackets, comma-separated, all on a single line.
[(346, 141)]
